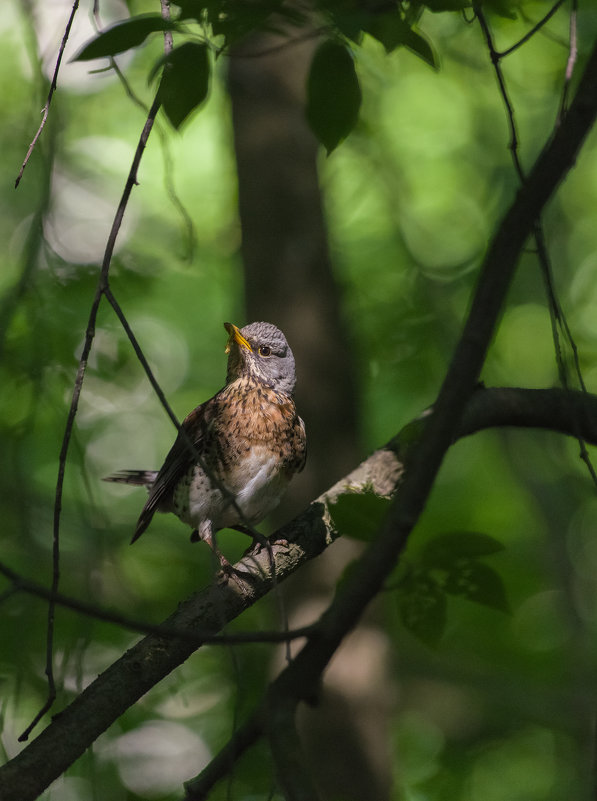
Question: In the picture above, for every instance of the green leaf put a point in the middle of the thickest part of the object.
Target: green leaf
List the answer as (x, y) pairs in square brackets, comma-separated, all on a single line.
[(477, 582), (191, 9), (419, 45), (123, 35), (235, 19), (392, 31), (333, 94), (389, 29), (444, 550), (350, 22), (185, 81), (422, 606), (359, 515)]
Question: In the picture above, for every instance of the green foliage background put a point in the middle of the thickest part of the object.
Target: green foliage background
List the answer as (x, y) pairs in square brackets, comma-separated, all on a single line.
[(498, 710)]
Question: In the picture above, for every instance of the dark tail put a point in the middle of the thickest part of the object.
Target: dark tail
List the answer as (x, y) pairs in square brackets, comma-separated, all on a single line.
[(136, 478)]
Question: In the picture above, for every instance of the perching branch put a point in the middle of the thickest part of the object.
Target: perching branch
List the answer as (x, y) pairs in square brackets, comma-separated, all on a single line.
[(204, 614)]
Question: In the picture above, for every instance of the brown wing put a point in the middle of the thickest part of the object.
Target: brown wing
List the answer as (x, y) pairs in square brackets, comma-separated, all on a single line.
[(301, 447), (296, 444), (177, 462)]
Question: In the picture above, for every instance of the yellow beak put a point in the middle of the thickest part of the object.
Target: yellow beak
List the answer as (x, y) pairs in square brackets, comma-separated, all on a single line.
[(236, 336)]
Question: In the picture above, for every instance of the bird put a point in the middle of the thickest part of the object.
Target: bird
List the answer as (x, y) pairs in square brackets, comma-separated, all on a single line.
[(236, 453)]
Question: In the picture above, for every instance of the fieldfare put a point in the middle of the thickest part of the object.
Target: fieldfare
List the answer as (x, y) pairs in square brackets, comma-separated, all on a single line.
[(236, 453)]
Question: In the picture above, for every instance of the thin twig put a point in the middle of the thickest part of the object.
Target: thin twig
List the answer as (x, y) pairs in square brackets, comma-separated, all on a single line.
[(556, 313), (495, 57), (533, 31), (102, 286), (53, 84), (21, 584), (243, 738)]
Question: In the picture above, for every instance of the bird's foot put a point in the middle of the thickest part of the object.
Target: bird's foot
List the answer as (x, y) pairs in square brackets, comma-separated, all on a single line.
[(228, 573)]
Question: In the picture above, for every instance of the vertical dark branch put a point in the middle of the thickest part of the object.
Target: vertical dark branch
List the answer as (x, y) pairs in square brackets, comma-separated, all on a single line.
[(102, 286)]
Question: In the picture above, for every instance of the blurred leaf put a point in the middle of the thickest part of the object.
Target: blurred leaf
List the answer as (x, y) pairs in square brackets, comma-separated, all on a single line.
[(359, 515), (392, 31), (444, 550), (234, 19), (447, 5), (503, 8), (333, 94), (185, 81), (191, 9), (123, 35), (423, 605), (419, 45), (389, 29), (477, 582), (350, 22)]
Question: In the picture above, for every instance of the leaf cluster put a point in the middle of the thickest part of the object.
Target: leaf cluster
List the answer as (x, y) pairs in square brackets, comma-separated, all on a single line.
[(450, 564), (333, 90)]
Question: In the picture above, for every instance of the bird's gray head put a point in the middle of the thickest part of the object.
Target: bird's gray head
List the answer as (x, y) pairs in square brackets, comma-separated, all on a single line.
[(260, 351)]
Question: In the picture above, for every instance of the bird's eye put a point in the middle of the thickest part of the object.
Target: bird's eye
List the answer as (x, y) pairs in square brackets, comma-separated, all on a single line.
[(265, 350)]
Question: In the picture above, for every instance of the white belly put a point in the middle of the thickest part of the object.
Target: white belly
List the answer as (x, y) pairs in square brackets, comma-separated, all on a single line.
[(255, 491)]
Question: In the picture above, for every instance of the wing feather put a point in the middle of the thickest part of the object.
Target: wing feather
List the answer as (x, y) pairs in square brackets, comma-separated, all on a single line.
[(180, 457)]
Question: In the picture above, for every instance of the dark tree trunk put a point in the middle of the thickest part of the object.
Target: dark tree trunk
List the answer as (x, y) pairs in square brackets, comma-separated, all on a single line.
[(288, 273), (289, 281)]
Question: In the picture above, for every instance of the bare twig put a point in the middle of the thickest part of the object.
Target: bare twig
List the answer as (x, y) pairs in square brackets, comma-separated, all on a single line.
[(21, 584), (46, 108), (244, 737), (556, 313), (169, 185), (537, 27), (102, 286), (495, 57)]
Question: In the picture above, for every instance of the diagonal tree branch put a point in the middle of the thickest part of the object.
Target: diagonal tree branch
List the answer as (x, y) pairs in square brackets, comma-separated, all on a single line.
[(204, 614)]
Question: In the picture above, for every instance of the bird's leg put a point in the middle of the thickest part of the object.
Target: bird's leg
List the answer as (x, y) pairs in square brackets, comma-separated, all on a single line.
[(208, 535), (227, 568), (259, 541)]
